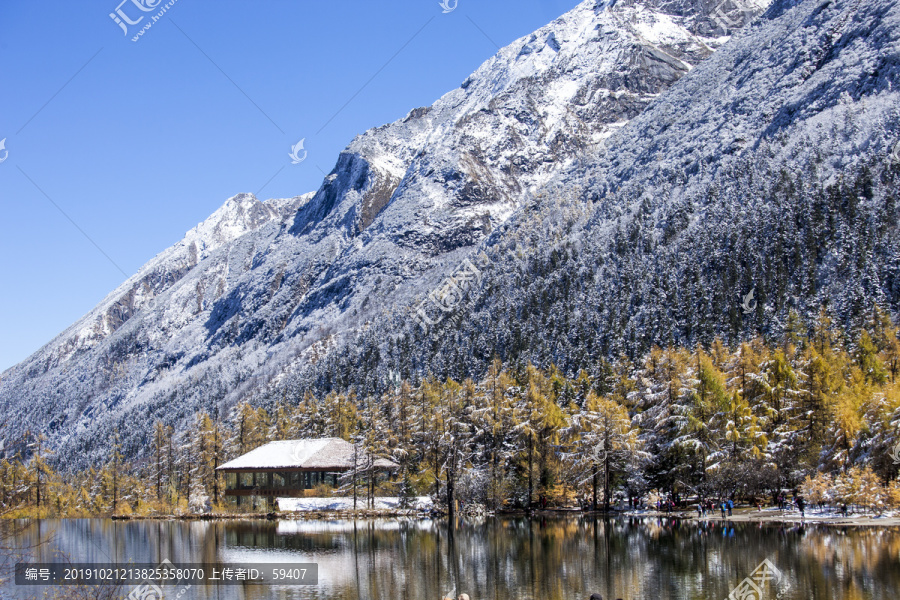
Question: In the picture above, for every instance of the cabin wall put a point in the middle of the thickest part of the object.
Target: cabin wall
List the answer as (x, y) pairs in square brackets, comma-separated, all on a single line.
[(282, 483)]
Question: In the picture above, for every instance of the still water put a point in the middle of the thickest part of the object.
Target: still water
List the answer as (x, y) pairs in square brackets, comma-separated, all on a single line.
[(563, 558)]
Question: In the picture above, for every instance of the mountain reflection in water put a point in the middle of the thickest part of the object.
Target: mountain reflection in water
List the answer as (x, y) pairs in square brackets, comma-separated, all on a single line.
[(560, 558)]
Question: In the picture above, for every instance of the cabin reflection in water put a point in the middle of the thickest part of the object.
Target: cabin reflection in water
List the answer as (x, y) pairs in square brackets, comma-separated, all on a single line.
[(318, 536), (297, 468), (264, 536)]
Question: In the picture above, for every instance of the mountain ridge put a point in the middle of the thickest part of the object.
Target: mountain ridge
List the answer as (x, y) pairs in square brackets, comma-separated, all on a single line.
[(403, 205), (769, 169)]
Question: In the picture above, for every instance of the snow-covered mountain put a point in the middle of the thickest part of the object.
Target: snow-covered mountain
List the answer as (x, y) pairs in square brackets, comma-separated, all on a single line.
[(238, 216), (759, 190), (261, 290)]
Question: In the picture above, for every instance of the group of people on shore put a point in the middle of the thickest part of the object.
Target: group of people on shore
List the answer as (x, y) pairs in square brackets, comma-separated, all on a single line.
[(705, 507), (726, 506), (666, 504), (709, 507), (785, 504)]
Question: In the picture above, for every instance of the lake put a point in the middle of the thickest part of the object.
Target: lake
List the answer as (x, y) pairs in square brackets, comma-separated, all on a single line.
[(554, 558)]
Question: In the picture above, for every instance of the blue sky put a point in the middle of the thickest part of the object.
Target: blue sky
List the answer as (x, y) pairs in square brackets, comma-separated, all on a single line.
[(116, 148)]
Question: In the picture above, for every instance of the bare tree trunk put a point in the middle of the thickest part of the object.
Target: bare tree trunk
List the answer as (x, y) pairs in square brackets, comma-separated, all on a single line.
[(158, 465), (186, 478), (450, 508), (495, 484), (370, 479), (530, 472), (215, 475), (606, 484), (170, 466)]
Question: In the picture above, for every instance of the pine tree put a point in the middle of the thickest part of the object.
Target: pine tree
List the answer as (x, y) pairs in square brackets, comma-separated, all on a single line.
[(821, 380), (209, 454), (401, 443), (115, 471), (884, 336), (701, 409), (604, 441), (743, 437), (495, 420), (161, 437), (866, 357), (662, 377), (40, 466)]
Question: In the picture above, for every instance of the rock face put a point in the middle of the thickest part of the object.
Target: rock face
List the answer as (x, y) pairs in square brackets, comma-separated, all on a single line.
[(237, 217), (757, 192), (261, 289)]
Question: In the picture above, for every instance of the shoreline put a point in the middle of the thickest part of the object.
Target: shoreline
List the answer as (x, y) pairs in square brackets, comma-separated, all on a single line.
[(774, 515), (746, 515)]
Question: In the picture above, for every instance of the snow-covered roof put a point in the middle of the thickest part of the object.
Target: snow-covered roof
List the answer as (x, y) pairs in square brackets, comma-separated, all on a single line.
[(324, 453)]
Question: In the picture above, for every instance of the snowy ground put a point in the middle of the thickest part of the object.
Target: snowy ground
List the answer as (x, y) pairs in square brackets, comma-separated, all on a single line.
[(335, 504), (824, 516)]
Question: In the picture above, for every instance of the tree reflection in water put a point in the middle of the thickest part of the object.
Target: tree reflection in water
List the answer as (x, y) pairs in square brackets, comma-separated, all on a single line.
[(500, 558)]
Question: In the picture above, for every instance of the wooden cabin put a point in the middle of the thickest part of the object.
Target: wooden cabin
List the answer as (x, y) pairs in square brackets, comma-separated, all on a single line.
[(293, 468)]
